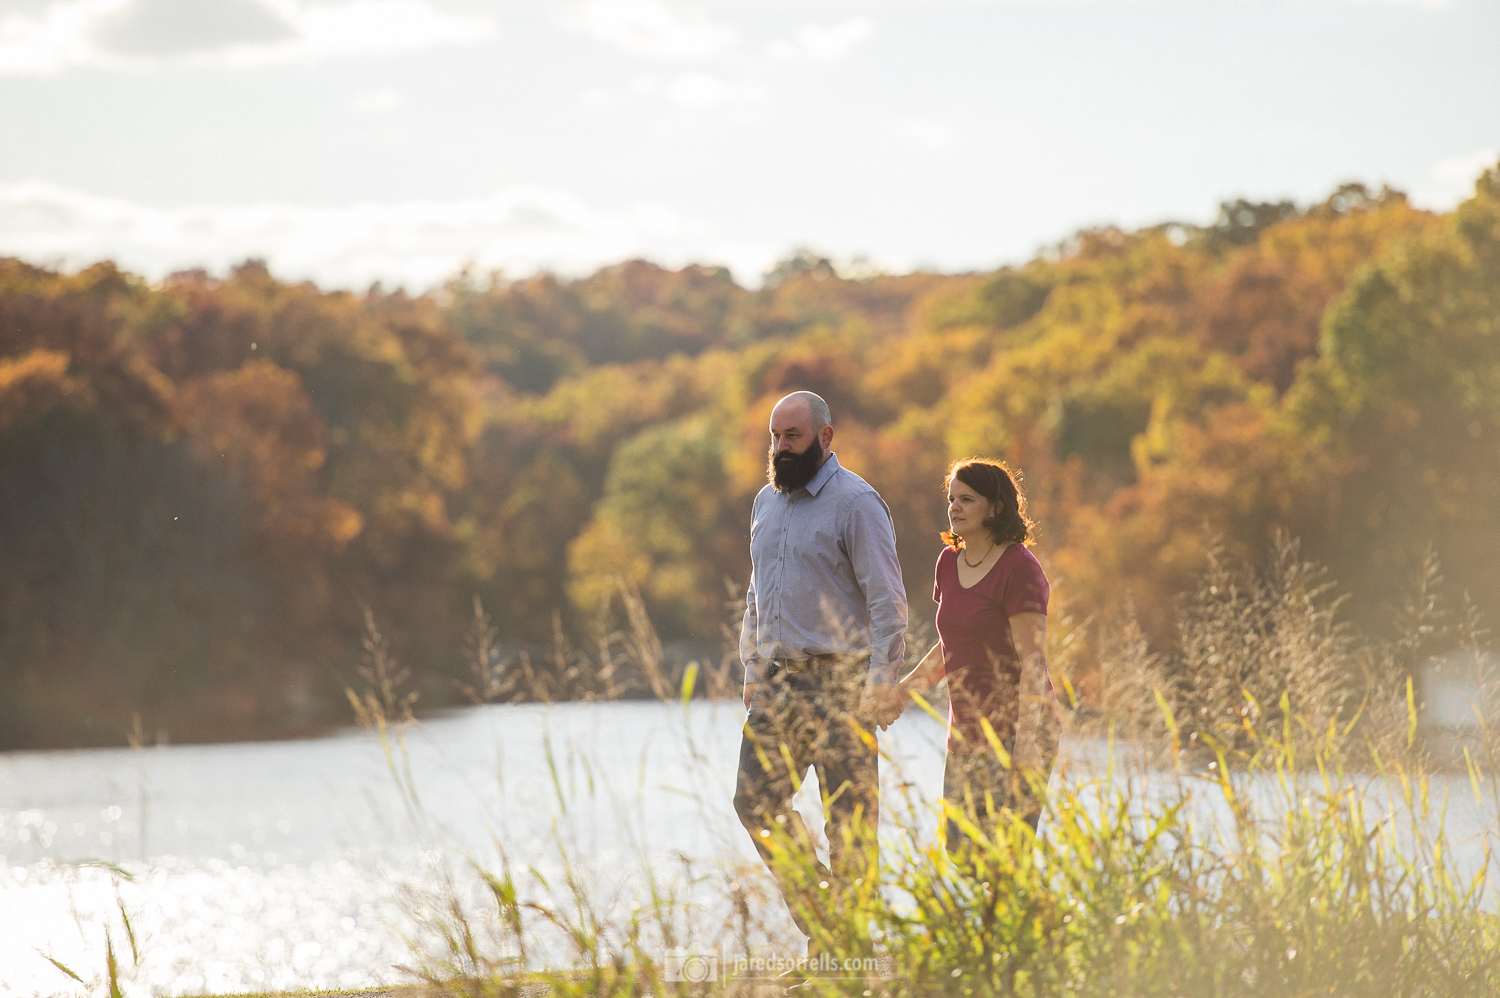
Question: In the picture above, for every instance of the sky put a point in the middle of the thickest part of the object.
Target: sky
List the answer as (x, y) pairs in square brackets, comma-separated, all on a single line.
[(399, 141)]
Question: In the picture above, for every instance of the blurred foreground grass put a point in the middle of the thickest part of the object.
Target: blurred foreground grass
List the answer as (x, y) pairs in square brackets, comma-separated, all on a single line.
[(1264, 822), (1267, 824)]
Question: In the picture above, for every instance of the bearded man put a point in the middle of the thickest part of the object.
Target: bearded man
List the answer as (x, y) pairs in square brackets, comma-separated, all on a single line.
[(822, 640)]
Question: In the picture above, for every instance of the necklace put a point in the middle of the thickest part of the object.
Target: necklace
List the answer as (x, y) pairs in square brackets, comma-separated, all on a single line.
[(974, 564)]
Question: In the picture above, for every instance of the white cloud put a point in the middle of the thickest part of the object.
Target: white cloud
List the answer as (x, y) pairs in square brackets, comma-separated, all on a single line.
[(60, 36), (73, 33), (1425, 4), (155, 29), (1464, 169), (692, 91), (1453, 179), (817, 43), (378, 101), (416, 243), (607, 98), (699, 90), (652, 28), (375, 27), (932, 134)]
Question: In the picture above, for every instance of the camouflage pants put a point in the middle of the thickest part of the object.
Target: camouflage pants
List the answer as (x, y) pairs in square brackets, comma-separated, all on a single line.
[(806, 720)]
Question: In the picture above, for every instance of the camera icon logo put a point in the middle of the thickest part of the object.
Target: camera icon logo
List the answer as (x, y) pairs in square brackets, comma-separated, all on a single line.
[(694, 968)]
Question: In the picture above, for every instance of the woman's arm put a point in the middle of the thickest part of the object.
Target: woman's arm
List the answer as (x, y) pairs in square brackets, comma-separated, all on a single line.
[(1029, 633), (927, 672)]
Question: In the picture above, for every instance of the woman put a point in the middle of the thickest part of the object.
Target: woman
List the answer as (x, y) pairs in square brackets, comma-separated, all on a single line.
[(992, 627)]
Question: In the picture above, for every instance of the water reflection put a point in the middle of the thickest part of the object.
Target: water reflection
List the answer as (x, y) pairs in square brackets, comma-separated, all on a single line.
[(296, 864), (291, 864)]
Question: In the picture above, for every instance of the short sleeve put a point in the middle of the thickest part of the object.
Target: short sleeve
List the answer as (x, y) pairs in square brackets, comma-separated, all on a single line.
[(1026, 587)]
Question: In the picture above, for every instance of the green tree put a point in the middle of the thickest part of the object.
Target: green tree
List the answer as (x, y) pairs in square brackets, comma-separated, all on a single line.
[(665, 526)]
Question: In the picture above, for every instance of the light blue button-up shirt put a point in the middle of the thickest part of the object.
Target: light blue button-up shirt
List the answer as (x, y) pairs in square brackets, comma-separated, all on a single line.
[(824, 577)]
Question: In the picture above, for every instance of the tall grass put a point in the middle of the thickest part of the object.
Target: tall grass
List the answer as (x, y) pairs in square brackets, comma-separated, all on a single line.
[(1263, 821), (1261, 881)]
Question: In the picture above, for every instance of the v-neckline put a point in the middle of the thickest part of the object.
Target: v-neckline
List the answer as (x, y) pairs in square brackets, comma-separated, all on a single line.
[(959, 553)]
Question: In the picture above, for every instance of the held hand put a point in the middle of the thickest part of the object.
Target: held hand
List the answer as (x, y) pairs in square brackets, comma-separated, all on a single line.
[(899, 699), (881, 705), (750, 689)]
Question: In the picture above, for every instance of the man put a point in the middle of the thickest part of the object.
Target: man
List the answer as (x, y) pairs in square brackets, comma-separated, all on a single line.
[(822, 640)]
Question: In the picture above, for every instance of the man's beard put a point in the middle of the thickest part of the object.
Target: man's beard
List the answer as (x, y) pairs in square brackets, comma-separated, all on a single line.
[(788, 471)]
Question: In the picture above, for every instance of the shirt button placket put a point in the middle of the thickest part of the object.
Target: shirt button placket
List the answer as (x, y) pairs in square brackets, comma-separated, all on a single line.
[(786, 528)]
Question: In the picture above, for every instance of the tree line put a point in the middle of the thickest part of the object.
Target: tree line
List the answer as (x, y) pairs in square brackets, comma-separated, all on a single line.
[(205, 482)]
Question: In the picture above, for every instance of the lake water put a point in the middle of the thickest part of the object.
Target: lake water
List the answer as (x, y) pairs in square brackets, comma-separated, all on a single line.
[(299, 864), (270, 865)]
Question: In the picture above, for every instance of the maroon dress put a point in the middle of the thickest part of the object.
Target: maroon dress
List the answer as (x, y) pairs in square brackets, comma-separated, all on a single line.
[(979, 657)]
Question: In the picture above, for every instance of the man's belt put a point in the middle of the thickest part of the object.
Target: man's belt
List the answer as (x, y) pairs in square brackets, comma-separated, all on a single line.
[(797, 666)]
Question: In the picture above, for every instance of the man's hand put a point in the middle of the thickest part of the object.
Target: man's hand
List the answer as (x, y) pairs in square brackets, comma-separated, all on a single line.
[(750, 689), (881, 705)]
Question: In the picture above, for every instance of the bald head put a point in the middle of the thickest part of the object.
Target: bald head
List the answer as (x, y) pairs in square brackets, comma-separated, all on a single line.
[(808, 404), (801, 438)]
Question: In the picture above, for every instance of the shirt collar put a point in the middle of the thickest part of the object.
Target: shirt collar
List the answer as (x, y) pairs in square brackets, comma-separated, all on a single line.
[(827, 471)]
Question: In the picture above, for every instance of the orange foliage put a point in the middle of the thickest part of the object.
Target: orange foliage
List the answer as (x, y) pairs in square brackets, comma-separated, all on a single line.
[(34, 384), (260, 423), (241, 460)]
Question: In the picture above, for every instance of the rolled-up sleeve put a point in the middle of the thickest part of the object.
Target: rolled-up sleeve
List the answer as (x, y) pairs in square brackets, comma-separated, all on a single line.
[(870, 539)]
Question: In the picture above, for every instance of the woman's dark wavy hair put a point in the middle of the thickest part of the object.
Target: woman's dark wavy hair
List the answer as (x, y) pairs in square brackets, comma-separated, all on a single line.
[(997, 483)]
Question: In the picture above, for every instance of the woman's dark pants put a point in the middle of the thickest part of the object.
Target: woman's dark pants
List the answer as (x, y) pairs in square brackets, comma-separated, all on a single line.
[(984, 789)]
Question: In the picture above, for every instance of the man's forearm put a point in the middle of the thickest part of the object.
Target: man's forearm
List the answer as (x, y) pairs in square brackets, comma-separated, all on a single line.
[(870, 539), (887, 647)]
